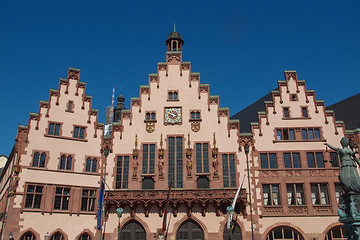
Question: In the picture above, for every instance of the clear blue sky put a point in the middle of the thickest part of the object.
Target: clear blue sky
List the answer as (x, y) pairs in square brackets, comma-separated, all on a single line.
[(240, 48)]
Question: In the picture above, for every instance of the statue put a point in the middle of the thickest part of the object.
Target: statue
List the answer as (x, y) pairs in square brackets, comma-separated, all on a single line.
[(161, 164), (349, 176), (135, 167), (189, 167)]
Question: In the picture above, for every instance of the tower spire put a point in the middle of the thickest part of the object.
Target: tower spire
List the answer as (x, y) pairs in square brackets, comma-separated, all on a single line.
[(174, 27)]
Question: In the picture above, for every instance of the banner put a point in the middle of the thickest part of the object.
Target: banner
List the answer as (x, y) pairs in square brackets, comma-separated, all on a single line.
[(100, 205)]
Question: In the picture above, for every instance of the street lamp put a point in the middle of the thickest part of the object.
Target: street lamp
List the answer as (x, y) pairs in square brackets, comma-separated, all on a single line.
[(230, 210), (119, 212), (11, 236), (47, 236), (246, 147)]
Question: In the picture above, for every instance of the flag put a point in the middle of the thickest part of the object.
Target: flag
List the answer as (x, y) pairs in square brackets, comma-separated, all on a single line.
[(166, 208), (100, 204), (234, 203)]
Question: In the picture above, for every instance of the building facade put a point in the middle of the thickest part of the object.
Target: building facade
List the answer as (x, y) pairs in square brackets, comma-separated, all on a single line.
[(175, 133)]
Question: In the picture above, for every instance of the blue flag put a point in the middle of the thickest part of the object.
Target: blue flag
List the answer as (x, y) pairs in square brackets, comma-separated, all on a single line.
[(100, 204)]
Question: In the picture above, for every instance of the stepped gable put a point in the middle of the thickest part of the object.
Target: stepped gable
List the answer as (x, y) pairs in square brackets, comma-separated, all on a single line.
[(347, 110)]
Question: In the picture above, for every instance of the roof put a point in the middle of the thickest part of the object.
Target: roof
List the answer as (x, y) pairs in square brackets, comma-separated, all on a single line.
[(250, 113), (347, 110)]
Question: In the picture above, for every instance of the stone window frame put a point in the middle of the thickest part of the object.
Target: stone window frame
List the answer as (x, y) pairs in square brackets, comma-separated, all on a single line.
[(319, 196), (91, 164), (286, 112), (66, 162), (150, 116), (62, 195), (283, 134), (173, 95), (47, 154), (271, 196), (295, 191), (42, 202), (195, 112), (292, 160), (69, 106), (47, 133), (313, 129), (269, 160), (79, 132), (94, 198), (148, 172), (315, 158), (115, 173), (306, 115), (229, 168)]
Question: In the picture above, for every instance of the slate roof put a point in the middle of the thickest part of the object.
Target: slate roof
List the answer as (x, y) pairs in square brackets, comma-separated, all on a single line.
[(250, 113), (348, 110)]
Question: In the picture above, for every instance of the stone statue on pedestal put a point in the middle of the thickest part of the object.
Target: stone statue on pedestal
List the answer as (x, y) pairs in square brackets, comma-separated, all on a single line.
[(349, 210)]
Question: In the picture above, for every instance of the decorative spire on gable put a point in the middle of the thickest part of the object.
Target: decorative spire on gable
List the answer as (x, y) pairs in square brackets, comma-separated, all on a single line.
[(119, 107), (174, 41)]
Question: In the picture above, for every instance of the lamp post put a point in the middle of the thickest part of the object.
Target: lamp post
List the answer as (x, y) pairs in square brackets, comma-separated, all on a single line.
[(119, 212), (47, 236), (248, 173), (106, 154), (230, 210), (11, 236)]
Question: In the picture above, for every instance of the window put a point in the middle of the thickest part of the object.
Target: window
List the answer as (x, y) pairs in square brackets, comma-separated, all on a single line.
[(282, 233), (39, 160), (268, 159), (85, 236), (335, 161), (292, 160), (91, 165), (28, 236), (202, 158), (319, 194), (286, 112), (203, 182), (57, 236), (304, 112), (295, 194), (338, 192), (65, 162), (229, 175), (173, 95), (33, 196), (62, 197), (148, 166), (88, 200), (133, 231), (190, 230), (310, 133), (79, 132), (54, 129), (122, 172), (195, 115), (176, 161), (315, 160), (271, 194), (336, 233), (150, 116), (70, 106), (285, 134)]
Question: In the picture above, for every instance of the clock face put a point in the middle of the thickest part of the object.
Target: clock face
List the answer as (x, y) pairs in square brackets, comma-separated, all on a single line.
[(173, 115)]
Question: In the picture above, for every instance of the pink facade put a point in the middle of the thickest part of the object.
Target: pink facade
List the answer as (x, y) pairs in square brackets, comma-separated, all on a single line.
[(174, 132)]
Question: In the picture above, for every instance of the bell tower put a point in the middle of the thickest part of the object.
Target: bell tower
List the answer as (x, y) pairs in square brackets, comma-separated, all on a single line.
[(174, 41)]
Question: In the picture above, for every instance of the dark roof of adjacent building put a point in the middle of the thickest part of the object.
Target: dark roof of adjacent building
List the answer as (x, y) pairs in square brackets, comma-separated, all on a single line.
[(348, 110), (250, 113)]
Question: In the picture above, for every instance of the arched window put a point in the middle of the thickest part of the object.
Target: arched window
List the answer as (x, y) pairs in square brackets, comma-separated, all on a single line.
[(234, 231), (190, 230), (28, 236), (57, 236), (283, 232), (133, 231), (85, 236), (336, 233)]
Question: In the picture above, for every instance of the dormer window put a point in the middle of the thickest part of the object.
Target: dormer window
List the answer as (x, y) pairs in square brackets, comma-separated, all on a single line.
[(173, 95)]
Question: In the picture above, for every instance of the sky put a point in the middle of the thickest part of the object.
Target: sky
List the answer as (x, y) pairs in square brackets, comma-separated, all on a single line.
[(241, 49)]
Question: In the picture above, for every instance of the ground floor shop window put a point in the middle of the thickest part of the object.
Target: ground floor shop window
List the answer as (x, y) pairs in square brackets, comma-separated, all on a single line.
[(190, 230), (281, 233)]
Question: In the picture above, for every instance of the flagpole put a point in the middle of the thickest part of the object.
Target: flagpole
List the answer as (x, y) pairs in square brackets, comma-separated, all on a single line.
[(106, 153), (248, 173)]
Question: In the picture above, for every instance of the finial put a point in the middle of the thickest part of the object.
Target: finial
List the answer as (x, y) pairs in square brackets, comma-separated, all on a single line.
[(121, 89), (174, 27), (214, 141), (161, 141)]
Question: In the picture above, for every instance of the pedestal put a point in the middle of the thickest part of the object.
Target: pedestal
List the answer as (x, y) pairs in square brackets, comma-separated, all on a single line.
[(349, 215)]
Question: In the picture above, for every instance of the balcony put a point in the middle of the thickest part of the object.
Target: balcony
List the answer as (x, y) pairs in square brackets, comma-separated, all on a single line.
[(219, 198)]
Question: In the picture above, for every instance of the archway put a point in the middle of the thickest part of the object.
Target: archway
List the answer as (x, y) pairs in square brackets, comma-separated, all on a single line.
[(28, 236), (133, 231), (284, 232), (235, 230), (190, 230), (335, 233)]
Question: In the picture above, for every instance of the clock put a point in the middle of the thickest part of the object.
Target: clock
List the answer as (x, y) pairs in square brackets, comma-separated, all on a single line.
[(173, 115)]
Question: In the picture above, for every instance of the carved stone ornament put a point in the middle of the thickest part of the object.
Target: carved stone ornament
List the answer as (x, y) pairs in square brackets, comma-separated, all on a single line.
[(150, 127), (195, 126)]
